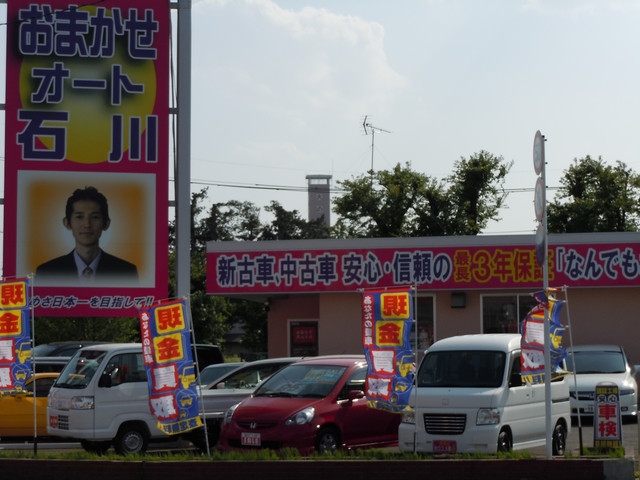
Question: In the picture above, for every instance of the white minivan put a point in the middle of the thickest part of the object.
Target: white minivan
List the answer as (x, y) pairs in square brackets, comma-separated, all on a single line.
[(469, 397), (102, 398)]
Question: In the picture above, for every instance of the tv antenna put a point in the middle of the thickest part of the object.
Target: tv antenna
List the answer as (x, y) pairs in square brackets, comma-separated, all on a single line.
[(369, 128)]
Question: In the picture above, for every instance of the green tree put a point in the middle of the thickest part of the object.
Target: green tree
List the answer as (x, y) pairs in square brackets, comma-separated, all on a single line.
[(102, 329), (477, 191), (289, 225), (209, 313), (595, 197), (405, 203), (380, 204), (232, 220)]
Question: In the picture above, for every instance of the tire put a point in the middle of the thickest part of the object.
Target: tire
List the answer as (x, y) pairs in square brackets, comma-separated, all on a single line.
[(99, 448), (505, 442), (559, 439), (327, 440), (198, 439), (131, 439)]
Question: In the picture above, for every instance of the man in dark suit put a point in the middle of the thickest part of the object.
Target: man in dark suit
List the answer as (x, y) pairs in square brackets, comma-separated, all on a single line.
[(86, 217)]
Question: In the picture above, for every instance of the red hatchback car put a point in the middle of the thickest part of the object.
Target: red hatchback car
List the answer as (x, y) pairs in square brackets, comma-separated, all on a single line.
[(317, 404)]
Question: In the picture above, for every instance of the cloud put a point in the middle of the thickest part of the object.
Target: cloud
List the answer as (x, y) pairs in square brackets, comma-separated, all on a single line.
[(290, 61)]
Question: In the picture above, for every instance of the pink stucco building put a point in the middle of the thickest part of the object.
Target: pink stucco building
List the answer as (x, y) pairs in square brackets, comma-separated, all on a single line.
[(470, 284)]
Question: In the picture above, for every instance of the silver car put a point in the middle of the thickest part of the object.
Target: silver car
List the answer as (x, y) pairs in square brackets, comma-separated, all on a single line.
[(594, 364)]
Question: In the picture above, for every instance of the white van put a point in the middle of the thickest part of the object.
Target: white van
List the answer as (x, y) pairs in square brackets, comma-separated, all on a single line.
[(102, 398), (469, 397)]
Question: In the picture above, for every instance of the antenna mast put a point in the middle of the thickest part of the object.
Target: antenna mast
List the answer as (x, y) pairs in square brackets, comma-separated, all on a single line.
[(368, 127)]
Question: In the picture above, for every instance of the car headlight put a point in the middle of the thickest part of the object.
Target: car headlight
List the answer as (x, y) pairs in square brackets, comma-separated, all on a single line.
[(488, 416), (409, 417), (82, 403), (228, 415), (302, 417)]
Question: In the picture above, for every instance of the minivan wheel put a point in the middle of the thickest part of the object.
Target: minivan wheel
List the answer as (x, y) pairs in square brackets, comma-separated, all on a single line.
[(327, 440), (505, 444), (131, 439), (559, 440)]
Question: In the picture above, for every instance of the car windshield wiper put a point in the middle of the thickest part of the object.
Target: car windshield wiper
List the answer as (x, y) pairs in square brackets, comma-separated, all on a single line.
[(272, 393), (70, 385)]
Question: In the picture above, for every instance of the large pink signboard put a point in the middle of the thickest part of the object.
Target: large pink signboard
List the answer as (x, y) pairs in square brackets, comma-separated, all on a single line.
[(86, 163), (437, 268)]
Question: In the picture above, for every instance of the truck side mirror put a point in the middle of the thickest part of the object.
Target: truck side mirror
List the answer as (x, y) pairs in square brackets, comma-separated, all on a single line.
[(105, 380)]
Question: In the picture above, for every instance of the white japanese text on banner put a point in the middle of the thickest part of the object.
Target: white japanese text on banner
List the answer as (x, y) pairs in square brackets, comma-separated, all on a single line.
[(387, 320), (171, 374), (15, 334)]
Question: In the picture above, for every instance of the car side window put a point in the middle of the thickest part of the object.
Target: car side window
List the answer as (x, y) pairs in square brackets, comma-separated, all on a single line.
[(250, 377), (43, 385), (356, 381), (515, 378), (126, 368)]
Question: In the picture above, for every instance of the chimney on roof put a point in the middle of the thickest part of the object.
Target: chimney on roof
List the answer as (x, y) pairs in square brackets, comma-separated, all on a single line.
[(319, 198)]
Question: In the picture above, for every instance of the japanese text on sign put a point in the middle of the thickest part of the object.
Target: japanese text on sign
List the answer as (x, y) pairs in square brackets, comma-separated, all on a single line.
[(171, 374), (82, 33), (439, 269)]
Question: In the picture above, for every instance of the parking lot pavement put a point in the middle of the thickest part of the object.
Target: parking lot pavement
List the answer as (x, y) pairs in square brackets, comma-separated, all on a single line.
[(630, 436)]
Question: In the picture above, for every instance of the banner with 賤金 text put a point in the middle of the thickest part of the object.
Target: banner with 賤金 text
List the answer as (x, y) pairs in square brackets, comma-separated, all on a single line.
[(171, 371), (15, 334), (387, 321)]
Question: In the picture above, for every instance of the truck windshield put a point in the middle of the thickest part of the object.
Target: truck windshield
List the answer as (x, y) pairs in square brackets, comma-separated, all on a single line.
[(466, 368), (80, 369)]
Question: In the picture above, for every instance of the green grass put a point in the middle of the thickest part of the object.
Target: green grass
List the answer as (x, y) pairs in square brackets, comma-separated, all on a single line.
[(259, 455), (605, 452)]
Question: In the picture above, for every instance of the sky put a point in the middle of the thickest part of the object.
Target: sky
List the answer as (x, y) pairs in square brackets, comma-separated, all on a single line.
[(281, 88)]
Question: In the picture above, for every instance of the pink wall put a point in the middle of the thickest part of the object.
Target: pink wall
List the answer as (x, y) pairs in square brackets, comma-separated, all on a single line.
[(597, 315), (283, 309)]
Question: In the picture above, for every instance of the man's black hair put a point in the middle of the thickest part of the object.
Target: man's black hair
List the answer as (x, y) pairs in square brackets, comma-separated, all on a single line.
[(88, 193)]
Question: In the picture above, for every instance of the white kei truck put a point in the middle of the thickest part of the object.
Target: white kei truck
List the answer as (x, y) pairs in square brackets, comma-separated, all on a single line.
[(102, 399), (469, 397)]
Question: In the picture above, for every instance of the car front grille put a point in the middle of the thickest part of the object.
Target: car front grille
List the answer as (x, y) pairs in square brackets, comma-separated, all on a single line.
[(255, 425), (445, 424), (584, 395), (63, 422)]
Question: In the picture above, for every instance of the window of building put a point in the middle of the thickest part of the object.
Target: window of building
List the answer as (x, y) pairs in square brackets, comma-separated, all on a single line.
[(425, 323), (504, 313), (303, 338)]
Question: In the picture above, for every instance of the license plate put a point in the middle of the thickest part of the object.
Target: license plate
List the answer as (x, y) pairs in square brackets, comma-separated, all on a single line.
[(444, 446), (250, 439), (53, 421), (588, 409)]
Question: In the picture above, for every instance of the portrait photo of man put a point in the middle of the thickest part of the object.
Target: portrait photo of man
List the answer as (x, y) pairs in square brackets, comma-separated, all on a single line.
[(87, 218)]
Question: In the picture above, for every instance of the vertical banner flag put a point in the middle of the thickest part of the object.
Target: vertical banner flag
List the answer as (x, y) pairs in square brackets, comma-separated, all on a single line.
[(387, 320), (171, 373), (87, 130), (532, 343), (15, 334)]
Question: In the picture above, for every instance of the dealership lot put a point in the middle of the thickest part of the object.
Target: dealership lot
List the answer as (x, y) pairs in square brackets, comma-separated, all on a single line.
[(630, 434)]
